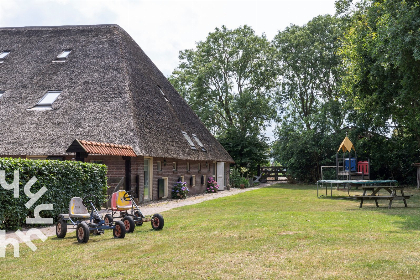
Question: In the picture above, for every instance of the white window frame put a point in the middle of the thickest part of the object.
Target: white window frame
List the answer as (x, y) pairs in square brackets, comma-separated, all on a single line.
[(165, 187), (51, 95), (150, 197), (3, 55), (199, 142), (194, 183), (188, 138), (64, 54)]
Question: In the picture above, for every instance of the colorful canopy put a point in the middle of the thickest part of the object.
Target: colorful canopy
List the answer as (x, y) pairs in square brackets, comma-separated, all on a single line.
[(346, 145)]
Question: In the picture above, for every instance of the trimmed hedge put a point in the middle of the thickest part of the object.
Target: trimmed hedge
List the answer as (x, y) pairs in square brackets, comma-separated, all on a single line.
[(63, 179)]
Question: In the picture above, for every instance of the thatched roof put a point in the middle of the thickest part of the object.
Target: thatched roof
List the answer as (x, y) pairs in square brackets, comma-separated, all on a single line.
[(108, 90)]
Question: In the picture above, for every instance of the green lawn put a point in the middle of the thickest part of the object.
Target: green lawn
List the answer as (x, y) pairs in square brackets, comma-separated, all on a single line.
[(278, 232)]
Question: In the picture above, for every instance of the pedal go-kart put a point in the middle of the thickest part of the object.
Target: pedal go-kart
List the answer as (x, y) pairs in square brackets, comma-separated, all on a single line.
[(85, 222), (130, 213)]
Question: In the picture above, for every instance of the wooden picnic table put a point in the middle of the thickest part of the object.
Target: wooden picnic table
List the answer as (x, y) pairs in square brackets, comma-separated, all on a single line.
[(374, 194)]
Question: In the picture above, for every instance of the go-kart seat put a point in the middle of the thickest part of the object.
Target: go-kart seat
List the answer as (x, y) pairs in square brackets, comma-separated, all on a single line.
[(118, 203), (77, 209)]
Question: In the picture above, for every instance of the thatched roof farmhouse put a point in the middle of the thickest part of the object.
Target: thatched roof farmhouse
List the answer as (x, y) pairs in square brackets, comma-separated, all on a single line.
[(90, 93)]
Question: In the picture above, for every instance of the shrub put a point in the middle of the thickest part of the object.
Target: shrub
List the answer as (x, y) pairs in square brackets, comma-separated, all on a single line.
[(63, 180), (244, 181), (212, 186), (180, 190), (234, 177)]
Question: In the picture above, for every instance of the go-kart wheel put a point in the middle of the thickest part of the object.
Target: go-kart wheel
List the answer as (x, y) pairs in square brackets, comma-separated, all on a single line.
[(157, 222), (108, 219), (119, 230), (82, 232), (129, 224), (61, 228), (138, 218)]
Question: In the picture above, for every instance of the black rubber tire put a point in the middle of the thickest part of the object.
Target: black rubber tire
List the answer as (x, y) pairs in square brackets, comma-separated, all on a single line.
[(157, 222), (129, 224), (82, 232), (61, 228), (108, 219), (119, 230), (139, 218)]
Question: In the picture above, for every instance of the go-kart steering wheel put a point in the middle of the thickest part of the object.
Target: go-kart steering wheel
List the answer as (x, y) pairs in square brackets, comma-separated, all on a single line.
[(86, 200), (127, 196)]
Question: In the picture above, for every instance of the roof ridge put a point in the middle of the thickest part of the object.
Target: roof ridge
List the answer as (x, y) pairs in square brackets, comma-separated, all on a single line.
[(46, 27)]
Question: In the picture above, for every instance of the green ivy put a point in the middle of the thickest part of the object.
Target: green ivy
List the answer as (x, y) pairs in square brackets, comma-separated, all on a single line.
[(63, 180)]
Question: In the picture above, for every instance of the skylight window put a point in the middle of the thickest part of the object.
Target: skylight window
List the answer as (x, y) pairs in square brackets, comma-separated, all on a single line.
[(62, 56), (199, 143), (164, 95), (3, 55), (189, 140), (46, 102), (1, 93)]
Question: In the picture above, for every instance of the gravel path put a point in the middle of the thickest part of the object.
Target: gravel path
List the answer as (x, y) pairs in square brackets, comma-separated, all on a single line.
[(156, 207)]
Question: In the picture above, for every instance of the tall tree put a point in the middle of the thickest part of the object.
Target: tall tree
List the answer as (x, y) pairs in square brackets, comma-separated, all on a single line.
[(228, 80), (313, 117), (310, 68), (381, 51)]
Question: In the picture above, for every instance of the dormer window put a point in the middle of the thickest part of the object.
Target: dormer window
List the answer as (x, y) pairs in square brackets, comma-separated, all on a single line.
[(46, 102), (199, 143), (62, 57), (3, 55), (189, 140)]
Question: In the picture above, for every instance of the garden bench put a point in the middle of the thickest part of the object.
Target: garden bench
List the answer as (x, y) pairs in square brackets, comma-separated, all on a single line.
[(392, 194)]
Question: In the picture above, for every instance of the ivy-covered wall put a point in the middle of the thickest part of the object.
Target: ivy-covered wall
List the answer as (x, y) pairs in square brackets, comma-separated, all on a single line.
[(62, 179)]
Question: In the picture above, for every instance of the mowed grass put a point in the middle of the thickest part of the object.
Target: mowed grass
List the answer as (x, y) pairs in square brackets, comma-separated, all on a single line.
[(278, 232)]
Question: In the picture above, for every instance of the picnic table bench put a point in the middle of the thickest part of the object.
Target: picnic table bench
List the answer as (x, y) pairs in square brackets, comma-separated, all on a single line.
[(392, 194)]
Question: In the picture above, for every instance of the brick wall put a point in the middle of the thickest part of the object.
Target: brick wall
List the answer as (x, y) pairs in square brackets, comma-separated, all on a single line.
[(116, 171)]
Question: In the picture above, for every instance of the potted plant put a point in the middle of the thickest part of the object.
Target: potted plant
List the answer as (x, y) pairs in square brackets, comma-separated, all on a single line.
[(243, 183)]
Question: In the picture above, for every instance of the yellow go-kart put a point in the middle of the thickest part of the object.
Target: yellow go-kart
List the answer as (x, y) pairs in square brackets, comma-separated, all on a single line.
[(123, 203)]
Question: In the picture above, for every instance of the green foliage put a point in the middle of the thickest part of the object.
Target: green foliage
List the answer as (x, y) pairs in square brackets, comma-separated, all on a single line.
[(180, 190), (310, 69), (63, 180), (247, 150), (230, 71), (311, 127), (244, 181), (390, 158), (382, 58), (234, 177), (303, 152)]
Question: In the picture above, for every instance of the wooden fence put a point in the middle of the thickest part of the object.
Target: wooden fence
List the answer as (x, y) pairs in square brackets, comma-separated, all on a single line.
[(273, 173)]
